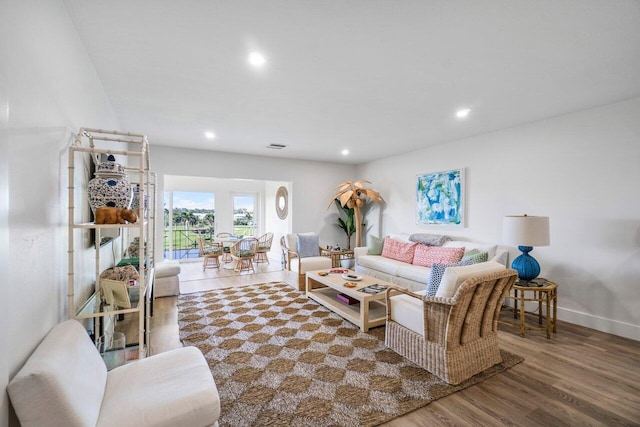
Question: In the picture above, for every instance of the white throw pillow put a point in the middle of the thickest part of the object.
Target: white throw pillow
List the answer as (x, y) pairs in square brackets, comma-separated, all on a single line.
[(454, 276)]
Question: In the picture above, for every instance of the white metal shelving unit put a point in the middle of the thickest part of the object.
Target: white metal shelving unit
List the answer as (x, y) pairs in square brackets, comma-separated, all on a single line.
[(135, 148)]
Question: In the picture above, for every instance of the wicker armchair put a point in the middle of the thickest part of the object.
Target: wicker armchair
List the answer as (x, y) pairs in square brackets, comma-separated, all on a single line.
[(301, 264), (453, 338), (264, 246), (243, 252), (210, 253)]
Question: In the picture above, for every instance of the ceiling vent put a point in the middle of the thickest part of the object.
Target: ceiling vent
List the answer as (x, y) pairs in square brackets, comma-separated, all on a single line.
[(276, 146)]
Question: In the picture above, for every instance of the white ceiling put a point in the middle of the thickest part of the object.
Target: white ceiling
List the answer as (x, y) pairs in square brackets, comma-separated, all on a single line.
[(375, 76)]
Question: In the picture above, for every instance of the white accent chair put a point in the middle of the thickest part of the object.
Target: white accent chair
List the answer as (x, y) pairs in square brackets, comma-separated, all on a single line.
[(65, 383), (298, 262)]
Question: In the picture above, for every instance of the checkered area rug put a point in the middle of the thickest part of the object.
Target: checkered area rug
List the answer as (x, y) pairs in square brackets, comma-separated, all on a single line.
[(280, 359)]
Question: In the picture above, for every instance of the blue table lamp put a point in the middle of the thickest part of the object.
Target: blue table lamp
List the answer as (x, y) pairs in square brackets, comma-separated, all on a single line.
[(525, 232)]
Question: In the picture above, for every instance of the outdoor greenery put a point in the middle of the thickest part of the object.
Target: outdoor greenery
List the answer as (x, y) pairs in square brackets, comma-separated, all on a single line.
[(189, 224)]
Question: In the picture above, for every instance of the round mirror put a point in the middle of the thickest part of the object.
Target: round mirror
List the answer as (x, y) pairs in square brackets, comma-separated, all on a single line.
[(282, 202)]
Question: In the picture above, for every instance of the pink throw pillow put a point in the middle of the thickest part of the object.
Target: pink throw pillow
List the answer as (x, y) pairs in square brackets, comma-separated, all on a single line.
[(398, 250), (426, 256)]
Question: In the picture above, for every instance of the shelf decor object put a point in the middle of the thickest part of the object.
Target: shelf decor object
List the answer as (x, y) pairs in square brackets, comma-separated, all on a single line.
[(110, 187), (525, 232)]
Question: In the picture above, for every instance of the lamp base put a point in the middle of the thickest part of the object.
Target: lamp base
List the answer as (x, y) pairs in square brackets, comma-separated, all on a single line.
[(526, 265)]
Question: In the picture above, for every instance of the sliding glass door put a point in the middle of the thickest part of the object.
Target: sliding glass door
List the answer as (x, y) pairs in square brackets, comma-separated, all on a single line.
[(244, 215), (187, 216)]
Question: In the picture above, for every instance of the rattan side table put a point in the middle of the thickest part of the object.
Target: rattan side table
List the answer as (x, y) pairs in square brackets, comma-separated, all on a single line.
[(546, 294)]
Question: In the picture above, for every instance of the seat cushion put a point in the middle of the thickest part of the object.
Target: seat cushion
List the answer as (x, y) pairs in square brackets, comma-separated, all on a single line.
[(175, 388), (414, 272), (409, 312), (380, 263), (167, 268), (454, 276), (63, 382), (311, 263)]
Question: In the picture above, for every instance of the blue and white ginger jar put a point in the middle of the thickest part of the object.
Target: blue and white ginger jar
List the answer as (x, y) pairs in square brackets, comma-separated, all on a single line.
[(110, 187)]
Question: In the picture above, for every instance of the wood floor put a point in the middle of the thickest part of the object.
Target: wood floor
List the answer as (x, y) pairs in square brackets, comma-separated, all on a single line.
[(581, 377)]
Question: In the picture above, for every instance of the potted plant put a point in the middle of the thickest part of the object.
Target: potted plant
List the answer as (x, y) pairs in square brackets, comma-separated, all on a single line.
[(353, 195), (348, 226)]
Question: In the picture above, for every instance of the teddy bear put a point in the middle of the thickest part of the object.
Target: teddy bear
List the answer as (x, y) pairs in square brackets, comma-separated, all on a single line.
[(109, 215)]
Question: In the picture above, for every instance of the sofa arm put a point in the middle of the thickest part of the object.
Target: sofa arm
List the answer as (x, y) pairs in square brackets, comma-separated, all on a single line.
[(501, 256)]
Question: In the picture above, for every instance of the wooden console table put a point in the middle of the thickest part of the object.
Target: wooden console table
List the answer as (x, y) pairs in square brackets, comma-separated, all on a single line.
[(547, 294)]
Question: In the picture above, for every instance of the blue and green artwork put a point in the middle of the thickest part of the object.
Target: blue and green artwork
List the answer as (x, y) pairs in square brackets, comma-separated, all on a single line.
[(439, 198)]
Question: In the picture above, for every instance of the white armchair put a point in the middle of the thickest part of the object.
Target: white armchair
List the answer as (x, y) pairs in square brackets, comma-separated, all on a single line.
[(302, 254), (65, 383)]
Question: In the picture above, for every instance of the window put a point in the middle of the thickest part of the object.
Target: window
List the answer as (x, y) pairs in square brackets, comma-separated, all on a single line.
[(187, 216)]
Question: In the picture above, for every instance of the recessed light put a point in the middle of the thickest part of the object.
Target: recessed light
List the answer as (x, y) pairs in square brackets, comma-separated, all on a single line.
[(256, 59), (209, 135), (345, 152), (463, 112)]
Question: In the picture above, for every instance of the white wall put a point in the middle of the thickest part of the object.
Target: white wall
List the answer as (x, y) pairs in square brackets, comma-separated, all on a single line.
[(48, 89), (312, 183), (582, 170), (4, 209), (273, 223)]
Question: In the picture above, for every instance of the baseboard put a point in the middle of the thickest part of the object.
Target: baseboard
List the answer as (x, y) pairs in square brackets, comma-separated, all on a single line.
[(615, 327)]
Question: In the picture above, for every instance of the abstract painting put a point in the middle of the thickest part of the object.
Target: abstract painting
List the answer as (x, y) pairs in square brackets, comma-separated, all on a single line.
[(440, 198)]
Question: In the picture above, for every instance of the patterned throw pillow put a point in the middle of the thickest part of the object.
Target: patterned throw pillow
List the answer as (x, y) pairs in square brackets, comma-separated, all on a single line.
[(397, 250), (476, 256), (437, 271), (426, 256), (308, 245), (374, 245)]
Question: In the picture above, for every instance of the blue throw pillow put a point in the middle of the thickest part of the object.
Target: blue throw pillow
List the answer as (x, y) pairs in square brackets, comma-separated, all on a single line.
[(437, 271), (308, 245)]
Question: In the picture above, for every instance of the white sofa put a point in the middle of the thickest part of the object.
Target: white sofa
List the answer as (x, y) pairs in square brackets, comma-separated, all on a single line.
[(412, 276), (66, 383)]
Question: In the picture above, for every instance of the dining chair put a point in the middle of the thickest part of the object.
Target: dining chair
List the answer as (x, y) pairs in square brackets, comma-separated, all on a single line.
[(243, 252), (264, 246), (210, 253)]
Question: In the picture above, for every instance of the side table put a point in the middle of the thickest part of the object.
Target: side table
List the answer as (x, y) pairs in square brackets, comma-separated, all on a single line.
[(547, 293), (337, 256)]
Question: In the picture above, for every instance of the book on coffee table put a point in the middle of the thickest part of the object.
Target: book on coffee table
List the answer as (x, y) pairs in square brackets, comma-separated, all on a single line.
[(346, 299), (373, 289)]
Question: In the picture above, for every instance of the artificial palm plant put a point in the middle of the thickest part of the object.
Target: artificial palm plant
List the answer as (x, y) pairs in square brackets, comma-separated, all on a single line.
[(352, 194), (348, 225)]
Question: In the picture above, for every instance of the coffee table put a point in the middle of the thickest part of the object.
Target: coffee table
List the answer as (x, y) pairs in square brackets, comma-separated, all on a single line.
[(370, 309)]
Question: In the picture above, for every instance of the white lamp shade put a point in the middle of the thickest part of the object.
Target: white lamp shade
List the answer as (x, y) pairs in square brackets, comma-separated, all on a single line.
[(524, 230)]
